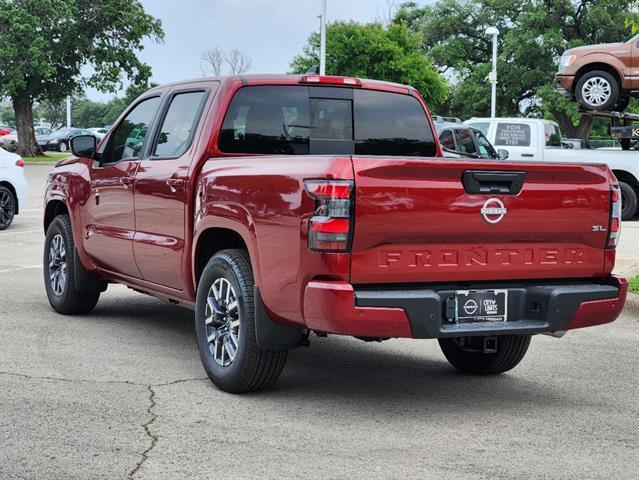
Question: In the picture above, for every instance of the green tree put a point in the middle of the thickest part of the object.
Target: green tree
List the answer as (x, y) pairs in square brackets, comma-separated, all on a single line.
[(533, 34), (373, 51), (45, 43)]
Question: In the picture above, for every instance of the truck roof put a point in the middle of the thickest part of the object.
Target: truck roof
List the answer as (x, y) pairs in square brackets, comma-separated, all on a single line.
[(309, 79)]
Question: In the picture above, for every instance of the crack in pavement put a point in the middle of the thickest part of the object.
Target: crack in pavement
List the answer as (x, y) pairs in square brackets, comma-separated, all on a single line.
[(147, 430), (144, 456), (103, 382)]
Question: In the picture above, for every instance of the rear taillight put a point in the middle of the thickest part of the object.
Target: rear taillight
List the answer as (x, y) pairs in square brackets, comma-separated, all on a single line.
[(330, 227), (20, 163), (614, 228)]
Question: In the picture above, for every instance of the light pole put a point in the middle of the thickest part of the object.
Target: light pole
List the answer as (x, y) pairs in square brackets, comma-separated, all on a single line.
[(492, 76), (323, 39), (68, 111)]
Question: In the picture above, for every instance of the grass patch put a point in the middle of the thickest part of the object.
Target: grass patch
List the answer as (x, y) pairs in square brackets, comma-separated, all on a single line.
[(633, 285), (50, 157)]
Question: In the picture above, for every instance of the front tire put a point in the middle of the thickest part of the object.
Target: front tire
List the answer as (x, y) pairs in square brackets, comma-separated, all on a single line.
[(7, 207), (628, 201), (59, 271), (597, 90), (225, 327), (63, 147), (467, 353)]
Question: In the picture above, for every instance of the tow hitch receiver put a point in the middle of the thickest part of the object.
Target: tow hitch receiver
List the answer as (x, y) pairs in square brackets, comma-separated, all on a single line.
[(478, 344)]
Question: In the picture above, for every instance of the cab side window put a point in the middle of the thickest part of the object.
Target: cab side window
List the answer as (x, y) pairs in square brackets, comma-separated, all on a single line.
[(129, 136)]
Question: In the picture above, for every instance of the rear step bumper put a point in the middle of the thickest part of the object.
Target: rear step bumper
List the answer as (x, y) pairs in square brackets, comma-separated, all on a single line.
[(337, 307)]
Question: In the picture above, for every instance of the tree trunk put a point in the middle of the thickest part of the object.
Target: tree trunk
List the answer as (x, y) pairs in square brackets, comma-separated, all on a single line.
[(27, 145), (581, 131), (585, 127)]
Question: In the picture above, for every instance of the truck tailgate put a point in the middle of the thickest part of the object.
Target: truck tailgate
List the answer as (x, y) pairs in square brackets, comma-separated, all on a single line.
[(416, 222)]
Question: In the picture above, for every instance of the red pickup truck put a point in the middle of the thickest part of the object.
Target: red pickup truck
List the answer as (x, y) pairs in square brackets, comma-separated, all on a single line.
[(277, 206)]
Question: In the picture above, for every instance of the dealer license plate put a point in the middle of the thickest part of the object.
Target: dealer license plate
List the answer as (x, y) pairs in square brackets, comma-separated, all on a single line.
[(481, 306)]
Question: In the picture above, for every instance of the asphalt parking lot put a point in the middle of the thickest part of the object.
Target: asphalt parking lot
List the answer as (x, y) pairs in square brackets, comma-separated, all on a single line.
[(121, 393)]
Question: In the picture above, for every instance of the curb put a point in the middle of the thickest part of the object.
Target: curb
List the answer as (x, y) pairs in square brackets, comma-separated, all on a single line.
[(632, 305)]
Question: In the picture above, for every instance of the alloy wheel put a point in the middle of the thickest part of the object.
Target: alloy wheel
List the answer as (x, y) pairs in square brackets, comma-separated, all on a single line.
[(596, 91), (222, 321), (57, 265), (7, 208)]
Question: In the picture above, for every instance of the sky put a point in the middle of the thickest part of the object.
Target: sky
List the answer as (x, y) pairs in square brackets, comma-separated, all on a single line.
[(270, 32)]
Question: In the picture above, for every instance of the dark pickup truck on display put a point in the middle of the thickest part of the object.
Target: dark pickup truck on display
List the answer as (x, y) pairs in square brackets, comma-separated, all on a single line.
[(277, 206)]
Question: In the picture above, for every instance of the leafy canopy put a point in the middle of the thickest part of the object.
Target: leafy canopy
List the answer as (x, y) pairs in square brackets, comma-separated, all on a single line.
[(533, 34), (44, 44), (373, 51)]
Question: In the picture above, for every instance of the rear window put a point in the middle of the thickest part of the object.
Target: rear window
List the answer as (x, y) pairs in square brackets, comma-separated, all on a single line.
[(391, 124), (301, 120), (512, 135)]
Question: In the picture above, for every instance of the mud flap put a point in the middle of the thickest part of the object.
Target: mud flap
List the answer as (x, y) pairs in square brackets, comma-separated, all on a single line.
[(272, 336), (84, 281)]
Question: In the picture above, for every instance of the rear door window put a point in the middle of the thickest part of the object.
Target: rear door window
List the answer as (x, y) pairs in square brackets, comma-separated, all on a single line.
[(512, 135), (179, 124), (299, 120)]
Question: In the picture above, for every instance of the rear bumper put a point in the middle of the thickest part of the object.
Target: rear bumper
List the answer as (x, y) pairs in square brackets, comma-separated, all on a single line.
[(564, 85), (336, 307)]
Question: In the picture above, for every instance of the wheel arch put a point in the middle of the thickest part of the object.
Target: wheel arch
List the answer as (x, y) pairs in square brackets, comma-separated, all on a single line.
[(627, 177), (12, 189), (54, 208), (212, 240), (589, 67)]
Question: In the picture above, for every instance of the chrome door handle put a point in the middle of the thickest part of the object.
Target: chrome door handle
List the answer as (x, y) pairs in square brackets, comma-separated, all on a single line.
[(173, 183), (126, 181)]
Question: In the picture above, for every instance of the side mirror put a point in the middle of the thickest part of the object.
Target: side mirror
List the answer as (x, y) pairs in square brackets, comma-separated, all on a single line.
[(503, 154), (84, 146)]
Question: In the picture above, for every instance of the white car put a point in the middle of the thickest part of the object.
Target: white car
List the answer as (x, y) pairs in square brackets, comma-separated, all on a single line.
[(98, 132), (540, 140), (14, 189)]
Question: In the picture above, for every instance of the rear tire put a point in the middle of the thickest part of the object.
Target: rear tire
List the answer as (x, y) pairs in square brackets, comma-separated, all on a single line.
[(59, 271), (7, 207), (225, 327), (470, 359), (597, 90), (628, 201)]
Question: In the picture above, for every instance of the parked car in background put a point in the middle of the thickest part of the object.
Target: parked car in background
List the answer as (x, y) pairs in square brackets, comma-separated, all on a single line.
[(600, 77), (5, 130), (279, 205), (59, 140), (14, 189), (42, 131), (540, 140), (457, 138), (99, 132), (10, 142)]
